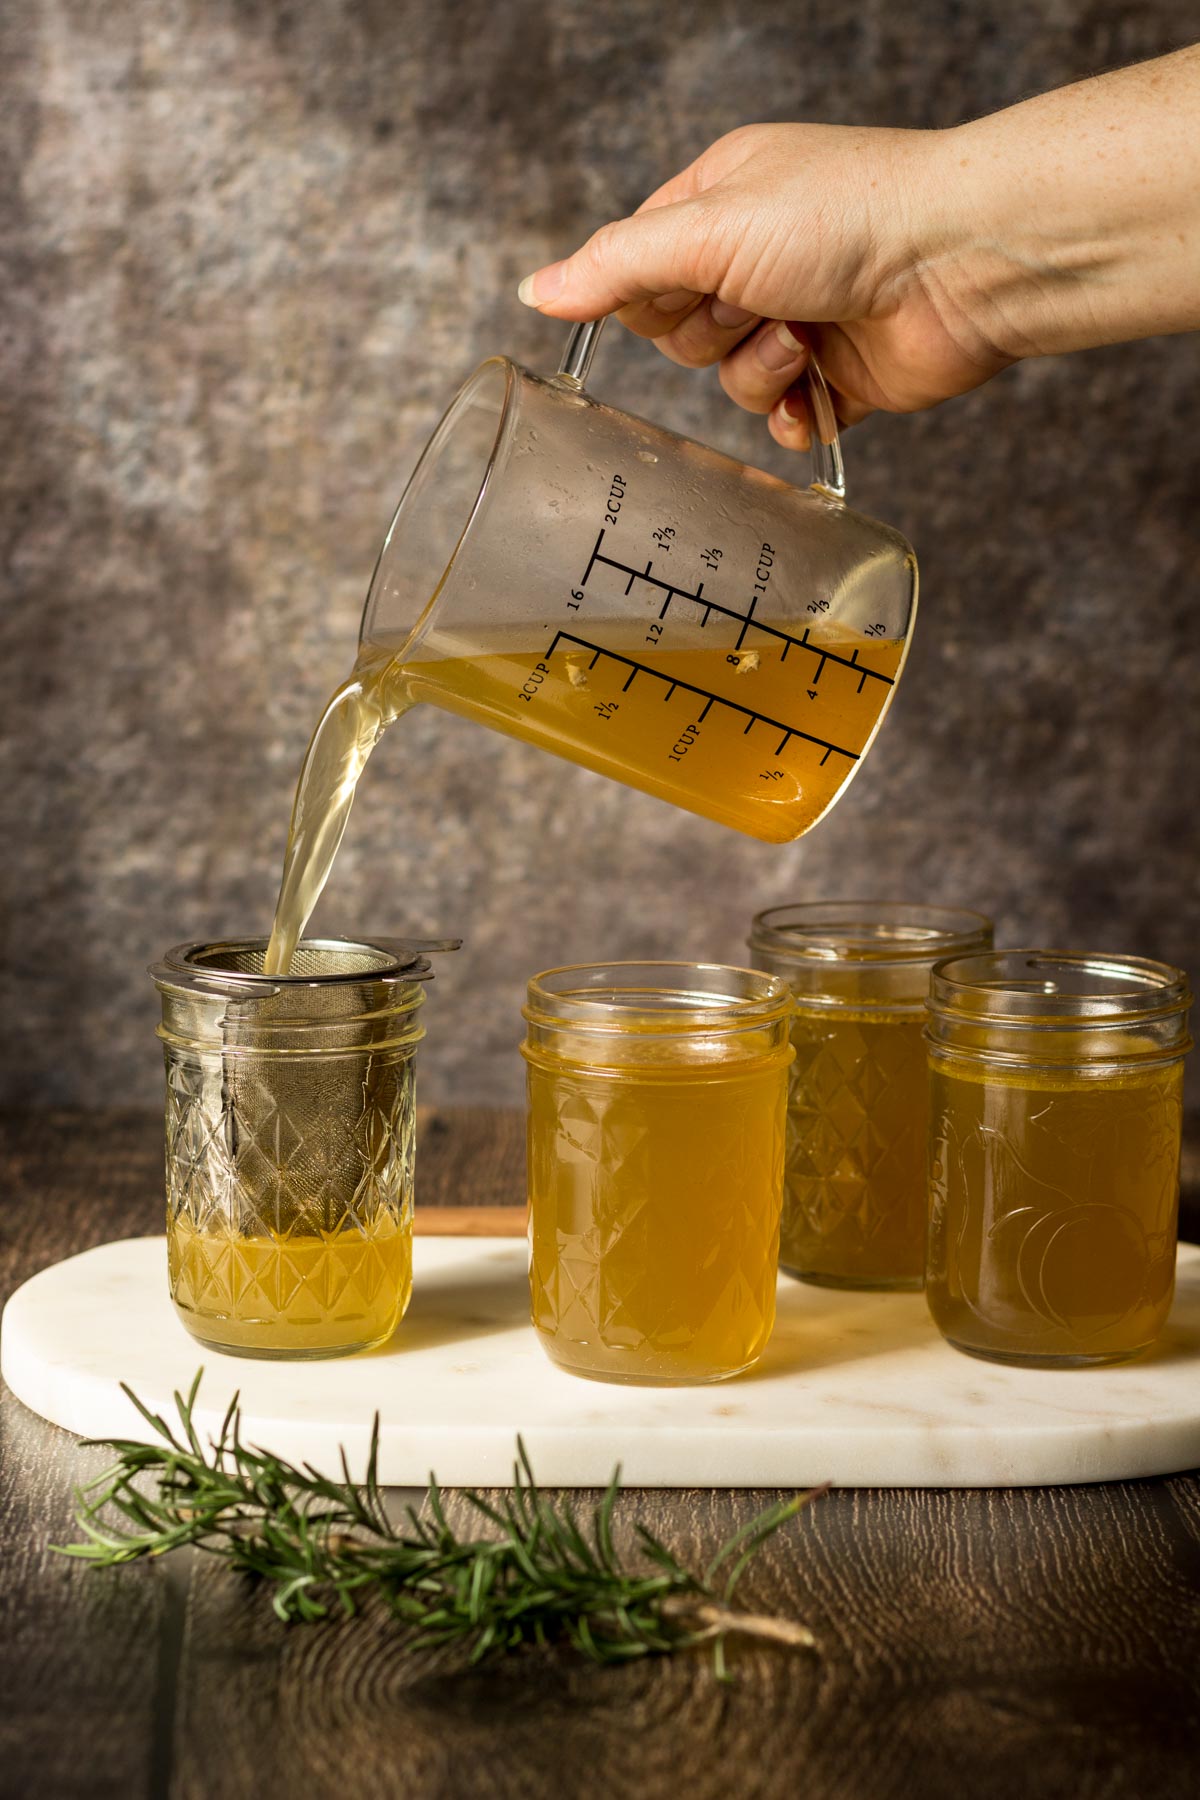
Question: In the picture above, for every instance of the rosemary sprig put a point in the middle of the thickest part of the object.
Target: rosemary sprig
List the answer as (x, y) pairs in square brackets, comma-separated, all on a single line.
[(538, 1577)]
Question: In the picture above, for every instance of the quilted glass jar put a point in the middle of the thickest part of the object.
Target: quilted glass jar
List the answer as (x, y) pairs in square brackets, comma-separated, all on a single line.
[(1055, 1115), (657, 1096), (854, 1206), (290, 1141)]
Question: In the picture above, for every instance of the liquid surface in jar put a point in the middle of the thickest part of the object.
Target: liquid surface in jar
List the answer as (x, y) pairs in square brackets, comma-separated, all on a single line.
[(741, 764), (654, 1216), (317, 1293), (854, 1205), (1054, 1205)]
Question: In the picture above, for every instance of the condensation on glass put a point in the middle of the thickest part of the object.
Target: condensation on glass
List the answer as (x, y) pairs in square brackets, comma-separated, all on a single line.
[(854, 1206), (290, 1142), (657, 1096), (1055, 1091)]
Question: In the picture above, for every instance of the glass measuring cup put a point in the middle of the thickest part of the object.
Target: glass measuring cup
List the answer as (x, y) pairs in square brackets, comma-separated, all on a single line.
[(641, 604)]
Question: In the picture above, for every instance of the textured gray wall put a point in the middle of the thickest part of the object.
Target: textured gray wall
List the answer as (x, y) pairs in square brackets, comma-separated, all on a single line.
[(248, 252)]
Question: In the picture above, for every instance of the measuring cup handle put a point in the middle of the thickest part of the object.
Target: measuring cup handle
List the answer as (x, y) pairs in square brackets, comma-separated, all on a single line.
[(579, 351), (828, 471)]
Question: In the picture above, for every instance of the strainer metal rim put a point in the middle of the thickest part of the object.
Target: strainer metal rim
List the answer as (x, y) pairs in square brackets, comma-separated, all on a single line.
[(404, 960)]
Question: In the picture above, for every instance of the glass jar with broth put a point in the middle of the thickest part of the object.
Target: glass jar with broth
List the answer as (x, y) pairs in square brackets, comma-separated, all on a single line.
[(657, 1094), (854, 1207), (290, 1142), (1056, 1106)]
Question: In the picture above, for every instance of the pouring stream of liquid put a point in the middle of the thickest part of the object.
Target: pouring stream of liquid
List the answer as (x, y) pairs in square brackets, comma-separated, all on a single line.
[(347, 732)]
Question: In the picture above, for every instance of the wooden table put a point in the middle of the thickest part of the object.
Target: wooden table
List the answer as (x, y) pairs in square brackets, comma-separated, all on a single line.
[(1028, 1643)]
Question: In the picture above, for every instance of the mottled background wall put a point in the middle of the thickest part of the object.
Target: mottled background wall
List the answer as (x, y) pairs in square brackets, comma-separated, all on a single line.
[(248, 251)]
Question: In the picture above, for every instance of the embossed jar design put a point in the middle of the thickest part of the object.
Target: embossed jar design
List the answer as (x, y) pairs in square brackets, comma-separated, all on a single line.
[(657, 1094), (854, 1200), (1055, 1100), (290, 1141)]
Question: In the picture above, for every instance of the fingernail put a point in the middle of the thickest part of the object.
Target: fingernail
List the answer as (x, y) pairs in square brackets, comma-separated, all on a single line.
[(777, 349), (669, 303), (727, 316), (542, 285), (791, 418)]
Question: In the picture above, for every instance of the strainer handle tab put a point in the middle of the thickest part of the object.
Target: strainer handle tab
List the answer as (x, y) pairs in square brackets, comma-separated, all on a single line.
[(828, 470), (403, 948)]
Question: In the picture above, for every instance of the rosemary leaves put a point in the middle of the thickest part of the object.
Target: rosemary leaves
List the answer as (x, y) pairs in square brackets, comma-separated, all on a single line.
[(537, 1577)]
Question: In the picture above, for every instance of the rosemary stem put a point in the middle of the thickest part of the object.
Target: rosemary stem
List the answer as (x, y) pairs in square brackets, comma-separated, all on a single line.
[(323, 1545), (717, 1619)]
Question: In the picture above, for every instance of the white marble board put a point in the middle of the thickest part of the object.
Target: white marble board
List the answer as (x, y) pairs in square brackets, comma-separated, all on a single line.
[(856, 1389)]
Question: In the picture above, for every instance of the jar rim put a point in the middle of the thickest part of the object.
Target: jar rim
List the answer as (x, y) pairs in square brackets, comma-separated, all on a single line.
[(656, 996), (877, 932), (1043, 986)]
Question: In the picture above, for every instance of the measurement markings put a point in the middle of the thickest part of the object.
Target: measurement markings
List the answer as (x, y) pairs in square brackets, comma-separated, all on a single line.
[(862, 678), (592, 558), (747, 712), (749, 620), (638, 575), (745, 620)]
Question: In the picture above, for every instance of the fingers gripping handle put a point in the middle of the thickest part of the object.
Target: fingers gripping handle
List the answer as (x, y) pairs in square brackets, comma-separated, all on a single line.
[(828, 472)]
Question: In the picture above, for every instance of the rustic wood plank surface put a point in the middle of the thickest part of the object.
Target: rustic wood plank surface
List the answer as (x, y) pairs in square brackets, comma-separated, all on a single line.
[(1039, 1643), (469, 1221)]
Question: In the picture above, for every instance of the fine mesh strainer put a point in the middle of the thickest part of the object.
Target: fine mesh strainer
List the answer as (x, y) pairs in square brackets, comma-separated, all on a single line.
[(290, 1126)]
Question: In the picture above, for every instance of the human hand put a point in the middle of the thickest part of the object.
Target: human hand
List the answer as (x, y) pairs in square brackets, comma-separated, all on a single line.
[(914, 264), (781, 241)]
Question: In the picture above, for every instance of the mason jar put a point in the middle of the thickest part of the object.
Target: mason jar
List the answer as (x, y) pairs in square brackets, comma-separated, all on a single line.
[(290, 1142), (854, 1203), (1056, 1107), (657, 1096)]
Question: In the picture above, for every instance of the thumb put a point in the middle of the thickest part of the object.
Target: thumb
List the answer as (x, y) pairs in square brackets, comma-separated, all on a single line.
[(665, 250)]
